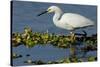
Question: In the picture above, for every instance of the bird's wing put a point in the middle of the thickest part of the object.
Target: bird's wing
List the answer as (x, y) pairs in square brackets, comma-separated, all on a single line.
[(76, 20)]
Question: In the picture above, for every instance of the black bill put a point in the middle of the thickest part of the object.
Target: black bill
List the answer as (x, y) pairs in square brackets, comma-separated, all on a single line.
[(42, 13)]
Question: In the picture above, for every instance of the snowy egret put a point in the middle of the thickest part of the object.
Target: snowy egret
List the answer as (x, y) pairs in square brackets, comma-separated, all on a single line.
[(68, 21)]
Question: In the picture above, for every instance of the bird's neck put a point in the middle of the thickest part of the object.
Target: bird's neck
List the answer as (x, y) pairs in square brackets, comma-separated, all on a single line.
[(57, 16)]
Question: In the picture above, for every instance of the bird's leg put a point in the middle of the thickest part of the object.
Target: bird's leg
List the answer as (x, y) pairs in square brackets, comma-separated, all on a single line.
[(72, 46), (72, 37)]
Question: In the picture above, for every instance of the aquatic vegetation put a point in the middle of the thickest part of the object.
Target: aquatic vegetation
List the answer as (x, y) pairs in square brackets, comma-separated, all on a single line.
[(16, 39), (14, 56), (65, 60), (30, 39), (91, 58), (38, 62), (29, 61)]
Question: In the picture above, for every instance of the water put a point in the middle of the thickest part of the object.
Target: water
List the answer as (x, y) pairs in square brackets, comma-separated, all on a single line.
[(25, 14)]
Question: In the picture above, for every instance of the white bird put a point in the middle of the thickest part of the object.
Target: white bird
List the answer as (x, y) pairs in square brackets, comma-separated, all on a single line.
[(68, 21)]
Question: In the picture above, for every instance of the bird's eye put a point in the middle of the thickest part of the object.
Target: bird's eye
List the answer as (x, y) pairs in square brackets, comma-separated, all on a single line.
[(49, 9)]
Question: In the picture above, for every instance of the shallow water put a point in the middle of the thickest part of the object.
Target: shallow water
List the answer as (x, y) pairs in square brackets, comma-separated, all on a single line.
[(25, 14), (45, 53)]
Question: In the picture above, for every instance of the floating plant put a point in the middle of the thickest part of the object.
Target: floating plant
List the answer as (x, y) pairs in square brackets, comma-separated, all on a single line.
[(31, 39), (14, 56), (37, 62), (29, 61), (65, 60)]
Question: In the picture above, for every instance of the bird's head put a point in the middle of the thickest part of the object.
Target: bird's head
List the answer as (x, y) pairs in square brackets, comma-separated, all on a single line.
[(51, 9)]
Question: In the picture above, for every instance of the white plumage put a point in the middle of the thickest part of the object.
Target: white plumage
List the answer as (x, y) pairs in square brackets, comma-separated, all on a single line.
[(69, 21), (72, 21)]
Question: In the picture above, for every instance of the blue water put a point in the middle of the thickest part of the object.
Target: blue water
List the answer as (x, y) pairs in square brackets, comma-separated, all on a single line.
[(46, 53), (25, 14)]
